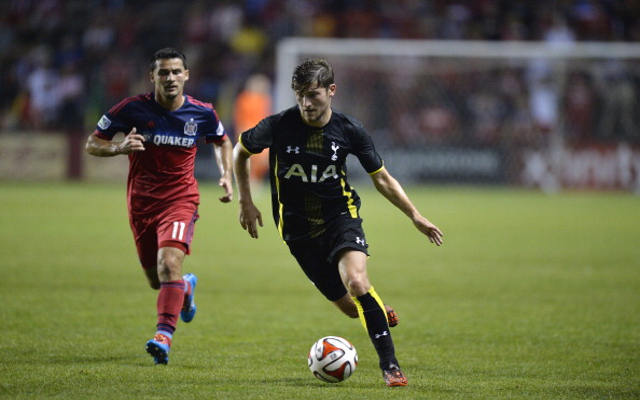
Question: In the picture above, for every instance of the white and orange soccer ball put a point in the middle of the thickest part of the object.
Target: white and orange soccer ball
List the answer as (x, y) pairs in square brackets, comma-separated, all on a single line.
[(333, 359)]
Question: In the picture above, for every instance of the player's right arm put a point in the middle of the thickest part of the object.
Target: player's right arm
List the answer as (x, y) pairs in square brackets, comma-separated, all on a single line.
[(96, 146), (248, 215)]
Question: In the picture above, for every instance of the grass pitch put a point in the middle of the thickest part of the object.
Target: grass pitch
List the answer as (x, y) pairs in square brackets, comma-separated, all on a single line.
[(531, 296)]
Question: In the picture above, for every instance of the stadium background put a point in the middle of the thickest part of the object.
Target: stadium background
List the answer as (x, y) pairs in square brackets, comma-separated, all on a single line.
[(66, 62), (533, 296)]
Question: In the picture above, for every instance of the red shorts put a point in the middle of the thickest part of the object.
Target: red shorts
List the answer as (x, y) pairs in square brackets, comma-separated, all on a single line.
[(172, 227)]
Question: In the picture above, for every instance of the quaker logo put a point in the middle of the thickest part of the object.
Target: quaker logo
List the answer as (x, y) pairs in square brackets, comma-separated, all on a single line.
[(335, 148), (295, 150), (104, 122), (190, 128)]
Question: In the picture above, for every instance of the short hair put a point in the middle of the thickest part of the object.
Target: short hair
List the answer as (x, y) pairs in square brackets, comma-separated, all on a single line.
[(167, 53), (310, 72)]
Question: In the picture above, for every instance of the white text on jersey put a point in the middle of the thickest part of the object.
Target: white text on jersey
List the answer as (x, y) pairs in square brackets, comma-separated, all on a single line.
[(312, 176)]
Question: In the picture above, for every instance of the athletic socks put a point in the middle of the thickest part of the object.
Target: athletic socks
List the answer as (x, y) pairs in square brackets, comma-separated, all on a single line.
[(169, 304), (374, 319)]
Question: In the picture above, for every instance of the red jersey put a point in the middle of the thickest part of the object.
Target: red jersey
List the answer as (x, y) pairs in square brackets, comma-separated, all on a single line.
[(163, 173)]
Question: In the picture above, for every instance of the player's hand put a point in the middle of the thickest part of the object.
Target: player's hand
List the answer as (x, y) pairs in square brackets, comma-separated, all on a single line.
[(250, 217), (430, 230), (225, 183), (132, 143)]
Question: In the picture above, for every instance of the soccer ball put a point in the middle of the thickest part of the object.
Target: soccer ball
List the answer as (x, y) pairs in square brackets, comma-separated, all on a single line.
[(333, 359)]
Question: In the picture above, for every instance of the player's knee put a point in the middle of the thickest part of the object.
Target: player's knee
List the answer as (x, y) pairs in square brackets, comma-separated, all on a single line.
[(358, 285), (169, 263)]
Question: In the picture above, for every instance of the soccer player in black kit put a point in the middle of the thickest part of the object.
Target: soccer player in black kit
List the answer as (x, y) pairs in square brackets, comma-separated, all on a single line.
[(315, 209)]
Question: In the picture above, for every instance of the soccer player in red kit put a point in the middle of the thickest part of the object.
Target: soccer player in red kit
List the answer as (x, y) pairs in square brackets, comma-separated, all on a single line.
[(161, 131)]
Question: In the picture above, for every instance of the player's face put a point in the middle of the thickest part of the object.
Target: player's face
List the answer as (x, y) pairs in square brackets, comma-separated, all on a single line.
[(169, 77), (315, 104)]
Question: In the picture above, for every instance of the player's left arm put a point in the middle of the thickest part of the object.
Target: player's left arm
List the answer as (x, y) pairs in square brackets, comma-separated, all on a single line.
[(224, 159), (391, 189)]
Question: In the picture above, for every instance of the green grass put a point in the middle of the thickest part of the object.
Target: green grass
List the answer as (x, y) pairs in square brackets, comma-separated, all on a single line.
[(531, 296)]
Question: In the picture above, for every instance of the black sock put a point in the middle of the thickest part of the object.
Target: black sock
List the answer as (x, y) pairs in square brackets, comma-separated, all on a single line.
[(378, 329)]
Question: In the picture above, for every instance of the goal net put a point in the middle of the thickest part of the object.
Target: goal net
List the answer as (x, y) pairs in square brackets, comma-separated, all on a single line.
[(521, 113)]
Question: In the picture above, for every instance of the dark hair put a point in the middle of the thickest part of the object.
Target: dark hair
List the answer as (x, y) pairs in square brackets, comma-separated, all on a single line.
[(312, 71), (166, 53)]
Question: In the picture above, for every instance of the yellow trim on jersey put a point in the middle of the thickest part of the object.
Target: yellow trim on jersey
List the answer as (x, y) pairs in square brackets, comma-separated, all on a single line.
[(280, 206), (243, 146), (373, 294), (376, 171), (353, 211)]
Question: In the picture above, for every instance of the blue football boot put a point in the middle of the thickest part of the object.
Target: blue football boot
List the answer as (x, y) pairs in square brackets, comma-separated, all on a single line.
[(159, 347), (189, 308)]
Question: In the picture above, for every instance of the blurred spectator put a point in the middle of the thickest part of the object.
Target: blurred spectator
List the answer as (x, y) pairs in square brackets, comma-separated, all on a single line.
[(71, 96), (619, 104), (580, 107), (251, 106), (96, 41), (42, 87)]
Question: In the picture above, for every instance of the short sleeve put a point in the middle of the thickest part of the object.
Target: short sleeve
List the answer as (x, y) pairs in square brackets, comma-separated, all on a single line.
[(259, 137), (364, 149)]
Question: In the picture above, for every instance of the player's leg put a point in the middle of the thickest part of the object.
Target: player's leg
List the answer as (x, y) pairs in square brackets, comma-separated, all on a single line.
[(169, 302), (174, 232), (349, 308), (144, 231), (352, 265), (152, 277), (144, 234), (313, 260)]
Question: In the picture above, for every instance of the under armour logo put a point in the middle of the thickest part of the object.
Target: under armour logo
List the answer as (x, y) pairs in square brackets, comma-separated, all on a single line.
[(295, 150), (379, 335), (335, 148), (360, 241)]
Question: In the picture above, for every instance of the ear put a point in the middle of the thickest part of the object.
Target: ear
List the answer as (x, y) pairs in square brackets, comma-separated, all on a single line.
[(332, 89), (186, 74), (151, 77)]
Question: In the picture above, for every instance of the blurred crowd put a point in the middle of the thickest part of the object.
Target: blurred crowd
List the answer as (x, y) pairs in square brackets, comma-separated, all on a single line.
[(65, 62)]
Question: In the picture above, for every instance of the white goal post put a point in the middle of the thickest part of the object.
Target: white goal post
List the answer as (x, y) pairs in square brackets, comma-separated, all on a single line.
[(488, 112)]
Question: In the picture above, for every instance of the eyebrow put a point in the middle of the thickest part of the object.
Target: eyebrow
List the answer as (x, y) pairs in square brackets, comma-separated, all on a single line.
[(307, 90)]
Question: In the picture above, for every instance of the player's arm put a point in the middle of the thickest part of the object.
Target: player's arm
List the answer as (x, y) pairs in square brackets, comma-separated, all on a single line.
[(391, 189), (248, 214), (224, 159), (96, 146)]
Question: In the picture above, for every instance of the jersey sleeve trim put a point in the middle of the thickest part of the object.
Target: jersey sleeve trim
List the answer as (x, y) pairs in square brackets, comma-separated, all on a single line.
[(376, 171), (243, 146)]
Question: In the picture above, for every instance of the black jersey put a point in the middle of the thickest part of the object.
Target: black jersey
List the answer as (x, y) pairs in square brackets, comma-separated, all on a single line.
[(307, 169)]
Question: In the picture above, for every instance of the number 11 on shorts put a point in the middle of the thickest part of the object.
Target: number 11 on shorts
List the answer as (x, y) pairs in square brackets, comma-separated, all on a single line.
[(178, 230)]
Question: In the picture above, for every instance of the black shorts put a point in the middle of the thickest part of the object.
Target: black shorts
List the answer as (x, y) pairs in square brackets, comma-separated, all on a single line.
[(317, 257)]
